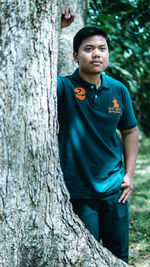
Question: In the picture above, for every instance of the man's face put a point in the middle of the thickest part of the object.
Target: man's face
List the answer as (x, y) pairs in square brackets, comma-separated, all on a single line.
[(92, 55)]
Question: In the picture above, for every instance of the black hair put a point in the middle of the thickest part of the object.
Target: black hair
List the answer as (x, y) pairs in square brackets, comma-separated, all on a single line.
[(87, 32)]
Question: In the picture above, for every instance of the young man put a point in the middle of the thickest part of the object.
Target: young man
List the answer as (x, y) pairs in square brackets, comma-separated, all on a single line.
[(91, 107)]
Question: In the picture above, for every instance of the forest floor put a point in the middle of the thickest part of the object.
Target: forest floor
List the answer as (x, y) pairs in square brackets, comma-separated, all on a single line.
[(139, 247)]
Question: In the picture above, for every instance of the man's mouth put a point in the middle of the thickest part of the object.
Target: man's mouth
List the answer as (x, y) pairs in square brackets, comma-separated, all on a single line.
[(96, 62)]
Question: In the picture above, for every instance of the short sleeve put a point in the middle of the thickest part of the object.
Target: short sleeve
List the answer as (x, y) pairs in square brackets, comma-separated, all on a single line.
[(128, 119), (59, 87)]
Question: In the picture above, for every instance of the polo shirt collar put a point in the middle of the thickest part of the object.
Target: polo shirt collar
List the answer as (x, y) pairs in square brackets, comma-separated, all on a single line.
[(105, 82), (75, 76)]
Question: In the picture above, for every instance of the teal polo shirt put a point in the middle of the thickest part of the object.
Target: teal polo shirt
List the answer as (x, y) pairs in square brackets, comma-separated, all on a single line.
[(90, 149)]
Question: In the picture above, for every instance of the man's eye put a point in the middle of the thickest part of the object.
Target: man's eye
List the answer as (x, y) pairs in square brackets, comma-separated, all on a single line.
[(102, 49), (88, 49)]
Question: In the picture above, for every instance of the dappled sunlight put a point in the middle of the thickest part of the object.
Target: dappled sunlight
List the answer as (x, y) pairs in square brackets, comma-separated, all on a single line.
[(143, 172)]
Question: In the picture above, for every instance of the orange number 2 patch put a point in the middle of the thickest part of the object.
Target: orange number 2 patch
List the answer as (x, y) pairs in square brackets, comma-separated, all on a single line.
[(80, 93)]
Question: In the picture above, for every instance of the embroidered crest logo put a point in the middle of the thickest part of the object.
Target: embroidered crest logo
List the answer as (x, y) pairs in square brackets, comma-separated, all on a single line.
[(115, 108), (80, 93)]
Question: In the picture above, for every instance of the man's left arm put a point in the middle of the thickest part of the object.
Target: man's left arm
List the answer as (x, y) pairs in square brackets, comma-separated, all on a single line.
[(130, 145), (67, 16)]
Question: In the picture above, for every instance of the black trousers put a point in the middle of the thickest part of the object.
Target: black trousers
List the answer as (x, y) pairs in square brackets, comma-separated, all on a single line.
[(108, 220)]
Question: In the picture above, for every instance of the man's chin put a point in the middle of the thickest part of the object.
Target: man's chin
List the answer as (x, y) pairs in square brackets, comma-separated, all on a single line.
[(96, 72)]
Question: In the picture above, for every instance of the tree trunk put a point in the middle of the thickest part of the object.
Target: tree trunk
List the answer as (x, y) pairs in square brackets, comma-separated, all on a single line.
[(66, 63), (37, 225)]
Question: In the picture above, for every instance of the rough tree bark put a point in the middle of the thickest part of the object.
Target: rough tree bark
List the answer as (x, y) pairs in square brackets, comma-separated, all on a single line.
[(37, 225), (66, 64)]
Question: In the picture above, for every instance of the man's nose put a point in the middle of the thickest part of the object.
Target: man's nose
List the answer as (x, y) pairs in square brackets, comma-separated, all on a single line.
[(96, 52)]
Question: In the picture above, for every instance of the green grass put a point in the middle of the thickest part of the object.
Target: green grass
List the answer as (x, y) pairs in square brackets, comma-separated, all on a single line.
[(139, 246)]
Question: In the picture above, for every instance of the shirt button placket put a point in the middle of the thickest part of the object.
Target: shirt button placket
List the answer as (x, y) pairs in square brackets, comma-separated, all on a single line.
[(95, 95)]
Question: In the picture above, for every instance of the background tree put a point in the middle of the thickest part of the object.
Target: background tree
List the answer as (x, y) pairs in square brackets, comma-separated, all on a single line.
[(128, 24), (37, 225)]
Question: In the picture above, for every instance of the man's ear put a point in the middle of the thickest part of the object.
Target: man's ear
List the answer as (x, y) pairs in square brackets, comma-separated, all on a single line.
[(75, 56)]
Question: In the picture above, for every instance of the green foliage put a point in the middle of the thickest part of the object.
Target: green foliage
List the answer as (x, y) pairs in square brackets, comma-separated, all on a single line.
[(139, 246), (128, 25)]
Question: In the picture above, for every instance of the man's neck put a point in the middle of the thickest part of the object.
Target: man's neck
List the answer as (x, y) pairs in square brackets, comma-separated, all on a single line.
[(94, 78)]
